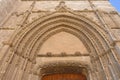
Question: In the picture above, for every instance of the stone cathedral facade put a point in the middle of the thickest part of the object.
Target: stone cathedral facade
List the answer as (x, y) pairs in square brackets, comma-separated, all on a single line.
[(59, 40)]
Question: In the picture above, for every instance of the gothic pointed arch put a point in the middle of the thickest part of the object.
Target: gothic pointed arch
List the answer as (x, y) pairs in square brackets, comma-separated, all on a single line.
[(29, 39), (59, 19), (34, 28)]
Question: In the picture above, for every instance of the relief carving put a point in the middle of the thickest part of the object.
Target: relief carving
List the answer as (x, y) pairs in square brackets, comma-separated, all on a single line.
[(62, 7)]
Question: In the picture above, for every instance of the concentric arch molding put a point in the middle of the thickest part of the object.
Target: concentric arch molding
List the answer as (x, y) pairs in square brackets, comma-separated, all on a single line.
[(30, 38)]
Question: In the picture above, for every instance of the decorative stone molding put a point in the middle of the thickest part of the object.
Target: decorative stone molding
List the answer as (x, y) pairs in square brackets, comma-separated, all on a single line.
[(62, 7), (17, 14), (7, 43), (114, 42), (63, 54), (6, 28), (113, 12), (61, 67)]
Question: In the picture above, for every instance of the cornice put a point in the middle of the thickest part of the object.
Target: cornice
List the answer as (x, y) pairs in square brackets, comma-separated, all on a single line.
[(6, 28), (63, 54)]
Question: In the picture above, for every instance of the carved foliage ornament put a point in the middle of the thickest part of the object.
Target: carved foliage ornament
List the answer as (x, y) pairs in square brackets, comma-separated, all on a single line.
[(62, 7)]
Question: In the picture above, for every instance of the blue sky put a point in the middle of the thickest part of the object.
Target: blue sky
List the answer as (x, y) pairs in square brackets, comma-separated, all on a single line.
[(116, 4)]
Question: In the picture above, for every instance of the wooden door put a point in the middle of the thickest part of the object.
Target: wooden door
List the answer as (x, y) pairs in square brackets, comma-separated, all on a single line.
[(64, 77)]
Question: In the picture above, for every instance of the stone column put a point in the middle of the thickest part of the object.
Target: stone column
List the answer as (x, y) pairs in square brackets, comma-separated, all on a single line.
[(20, 70), (112, 73), (34, 77), (10, 69), (27, 70), (90, 76), (117, 47), (114, 65)]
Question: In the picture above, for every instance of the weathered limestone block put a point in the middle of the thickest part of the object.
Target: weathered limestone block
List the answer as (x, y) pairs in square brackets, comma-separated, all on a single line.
[(116, 19), (116, 33), (6, 7), (103, 5), (5, 34)]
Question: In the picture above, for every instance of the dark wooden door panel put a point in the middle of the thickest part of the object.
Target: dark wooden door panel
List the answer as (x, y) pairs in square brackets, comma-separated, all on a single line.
[(64, 77)]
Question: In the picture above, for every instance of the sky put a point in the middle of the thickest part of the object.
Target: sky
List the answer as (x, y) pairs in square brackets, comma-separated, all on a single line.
[(116, 4)]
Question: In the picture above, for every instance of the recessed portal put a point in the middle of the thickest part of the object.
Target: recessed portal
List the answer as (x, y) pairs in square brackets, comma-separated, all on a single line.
[(64, 77)]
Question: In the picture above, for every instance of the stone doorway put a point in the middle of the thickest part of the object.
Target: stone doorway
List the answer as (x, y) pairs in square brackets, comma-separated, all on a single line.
[(68, 76), (63, 71)]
